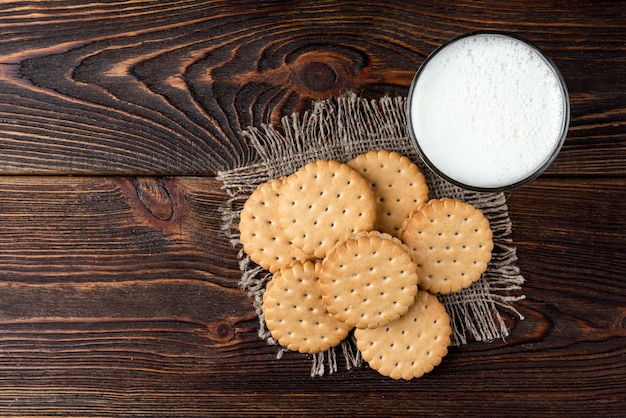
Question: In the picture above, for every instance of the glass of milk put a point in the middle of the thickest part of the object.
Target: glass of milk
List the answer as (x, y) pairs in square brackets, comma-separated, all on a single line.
[(488, 111)]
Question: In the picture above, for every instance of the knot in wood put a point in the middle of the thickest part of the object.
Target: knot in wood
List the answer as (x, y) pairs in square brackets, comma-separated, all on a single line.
[(318, 76), (222, 331), (155, 197)]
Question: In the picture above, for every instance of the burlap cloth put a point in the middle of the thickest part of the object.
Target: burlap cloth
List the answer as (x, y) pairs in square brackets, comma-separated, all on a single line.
[(340, 129)]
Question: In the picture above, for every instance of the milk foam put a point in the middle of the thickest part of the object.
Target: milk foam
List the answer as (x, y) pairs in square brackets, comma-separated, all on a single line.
[(488, 110)]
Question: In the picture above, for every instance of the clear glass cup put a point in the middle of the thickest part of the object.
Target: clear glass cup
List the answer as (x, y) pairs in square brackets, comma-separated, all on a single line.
[(488, 111)]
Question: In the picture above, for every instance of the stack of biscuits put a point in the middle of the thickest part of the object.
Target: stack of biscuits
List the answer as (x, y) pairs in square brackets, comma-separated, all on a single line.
[(359, 246)]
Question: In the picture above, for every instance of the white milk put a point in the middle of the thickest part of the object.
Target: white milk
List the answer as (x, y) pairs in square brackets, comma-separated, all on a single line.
[(488, 111)]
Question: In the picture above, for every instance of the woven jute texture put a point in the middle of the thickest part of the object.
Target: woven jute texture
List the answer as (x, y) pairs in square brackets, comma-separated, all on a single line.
[(340, 129)]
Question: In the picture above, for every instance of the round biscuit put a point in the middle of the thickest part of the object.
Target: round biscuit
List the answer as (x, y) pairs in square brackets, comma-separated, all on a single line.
[(324, 202), (398, 184), (451, 243), (295, 314), (260, 234), (411, 346), (369, 280)]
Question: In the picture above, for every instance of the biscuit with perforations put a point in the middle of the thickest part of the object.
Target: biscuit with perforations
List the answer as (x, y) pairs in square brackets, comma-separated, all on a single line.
[(260, 234), (451, 242), (325, 202), (295, 314), (398, 184), (411, 346), (369, 280)]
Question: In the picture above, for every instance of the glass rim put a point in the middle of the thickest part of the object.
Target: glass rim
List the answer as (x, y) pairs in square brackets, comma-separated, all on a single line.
[(541, 168)]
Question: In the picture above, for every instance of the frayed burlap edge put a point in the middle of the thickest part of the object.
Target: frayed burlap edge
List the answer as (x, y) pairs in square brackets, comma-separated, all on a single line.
[(340, 129)]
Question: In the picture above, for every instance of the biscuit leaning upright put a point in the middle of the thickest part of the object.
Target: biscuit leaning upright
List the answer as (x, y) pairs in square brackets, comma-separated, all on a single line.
[(451, 242), (398, 184), (325, 202), (261, 236)]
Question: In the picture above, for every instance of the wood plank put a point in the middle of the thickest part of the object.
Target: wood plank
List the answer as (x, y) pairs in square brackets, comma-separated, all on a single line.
[(120, 296), (576, 229), (165, 88), (103, 229)]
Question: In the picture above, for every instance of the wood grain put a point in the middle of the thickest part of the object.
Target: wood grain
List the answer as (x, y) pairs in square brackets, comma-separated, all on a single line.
[(165, 88), (119, 293), (129, 313)]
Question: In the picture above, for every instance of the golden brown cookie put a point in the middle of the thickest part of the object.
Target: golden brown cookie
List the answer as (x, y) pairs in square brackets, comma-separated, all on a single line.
[(411, 346), (295, 314), (369, 280), (451, 242), (262, 237), (398, 184), (325, 202)]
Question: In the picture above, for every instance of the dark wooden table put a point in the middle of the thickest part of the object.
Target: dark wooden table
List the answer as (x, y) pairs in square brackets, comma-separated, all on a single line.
[(119, 294)]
